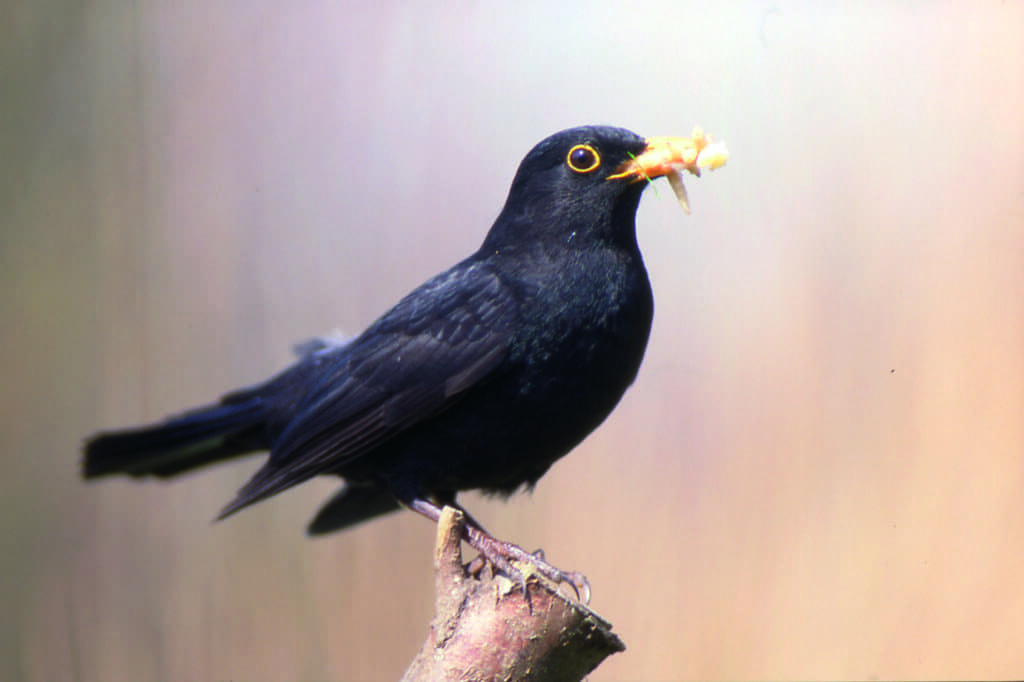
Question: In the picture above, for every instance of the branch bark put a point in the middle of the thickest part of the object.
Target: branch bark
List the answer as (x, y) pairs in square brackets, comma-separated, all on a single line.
[(484, 628)]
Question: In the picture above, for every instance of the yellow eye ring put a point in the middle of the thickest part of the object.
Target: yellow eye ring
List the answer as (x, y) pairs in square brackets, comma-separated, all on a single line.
[(583, 158)]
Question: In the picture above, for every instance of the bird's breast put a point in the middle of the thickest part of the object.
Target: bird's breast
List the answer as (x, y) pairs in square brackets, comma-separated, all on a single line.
[(580, 333), (585, 329)]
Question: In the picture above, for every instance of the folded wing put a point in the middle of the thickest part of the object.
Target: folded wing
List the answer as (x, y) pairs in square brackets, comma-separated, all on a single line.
[(415, 361)]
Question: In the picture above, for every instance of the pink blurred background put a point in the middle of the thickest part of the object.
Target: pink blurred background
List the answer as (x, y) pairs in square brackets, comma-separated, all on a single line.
[(818, 472)]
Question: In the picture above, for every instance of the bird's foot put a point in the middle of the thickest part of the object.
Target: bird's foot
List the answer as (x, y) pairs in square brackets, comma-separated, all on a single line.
[(518, 564), (505, 556)]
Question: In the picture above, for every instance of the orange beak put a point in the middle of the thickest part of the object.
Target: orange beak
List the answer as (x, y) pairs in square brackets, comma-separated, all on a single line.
[(670, 156)]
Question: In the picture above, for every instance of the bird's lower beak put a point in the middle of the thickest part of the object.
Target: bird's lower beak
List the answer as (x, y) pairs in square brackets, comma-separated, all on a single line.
[(670, 156)]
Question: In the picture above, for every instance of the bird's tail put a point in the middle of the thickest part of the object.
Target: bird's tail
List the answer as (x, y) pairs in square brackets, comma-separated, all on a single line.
[(203, 436)]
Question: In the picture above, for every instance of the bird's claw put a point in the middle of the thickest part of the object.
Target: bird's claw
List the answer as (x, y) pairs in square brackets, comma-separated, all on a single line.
[(475, 566), (502, 555)]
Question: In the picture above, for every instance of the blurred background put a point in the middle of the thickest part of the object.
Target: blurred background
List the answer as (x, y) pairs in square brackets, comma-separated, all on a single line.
[(818, 472)]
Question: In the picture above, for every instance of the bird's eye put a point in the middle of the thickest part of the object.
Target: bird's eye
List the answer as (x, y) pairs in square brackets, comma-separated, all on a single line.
[(583, 158)]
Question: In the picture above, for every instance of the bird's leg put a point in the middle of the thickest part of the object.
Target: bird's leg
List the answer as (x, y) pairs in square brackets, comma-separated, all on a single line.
[(490, 547), (448, 500), (477, 564), (501, 553), (433, 512)]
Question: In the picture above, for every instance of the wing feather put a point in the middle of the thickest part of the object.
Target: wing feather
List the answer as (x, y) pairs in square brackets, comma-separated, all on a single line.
[(415, 361)]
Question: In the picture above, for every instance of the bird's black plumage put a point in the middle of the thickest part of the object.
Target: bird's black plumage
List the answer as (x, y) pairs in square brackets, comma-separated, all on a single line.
[(480, 378)]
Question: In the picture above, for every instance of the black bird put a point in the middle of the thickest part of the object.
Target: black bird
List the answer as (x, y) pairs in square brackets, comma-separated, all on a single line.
[(480, 378)]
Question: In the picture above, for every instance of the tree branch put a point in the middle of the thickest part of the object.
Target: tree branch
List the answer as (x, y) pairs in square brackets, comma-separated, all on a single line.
[(484, 627)]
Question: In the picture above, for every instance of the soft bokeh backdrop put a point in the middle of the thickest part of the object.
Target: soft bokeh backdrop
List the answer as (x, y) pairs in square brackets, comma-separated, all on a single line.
[(818, 472)]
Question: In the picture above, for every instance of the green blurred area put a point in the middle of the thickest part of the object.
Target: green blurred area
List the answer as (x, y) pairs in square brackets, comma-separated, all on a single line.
[(817, 473)]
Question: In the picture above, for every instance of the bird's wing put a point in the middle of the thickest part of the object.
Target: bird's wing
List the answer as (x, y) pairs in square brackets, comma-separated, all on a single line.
[(412, 363)]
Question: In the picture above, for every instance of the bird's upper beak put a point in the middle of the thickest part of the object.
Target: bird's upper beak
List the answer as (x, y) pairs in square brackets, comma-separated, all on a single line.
[(670, 156)]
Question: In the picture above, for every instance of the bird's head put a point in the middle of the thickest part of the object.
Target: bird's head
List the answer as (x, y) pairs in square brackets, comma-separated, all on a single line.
[(583, 184)]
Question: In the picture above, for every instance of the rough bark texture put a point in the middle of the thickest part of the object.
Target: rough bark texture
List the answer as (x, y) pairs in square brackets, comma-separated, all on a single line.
[(484, 628)]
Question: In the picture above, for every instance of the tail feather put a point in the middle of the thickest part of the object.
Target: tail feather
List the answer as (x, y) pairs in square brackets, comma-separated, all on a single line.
[(204, 436), (351, 505)]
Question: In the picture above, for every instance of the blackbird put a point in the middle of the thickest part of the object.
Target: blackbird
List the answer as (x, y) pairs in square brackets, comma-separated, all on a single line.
[(480, 378)]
